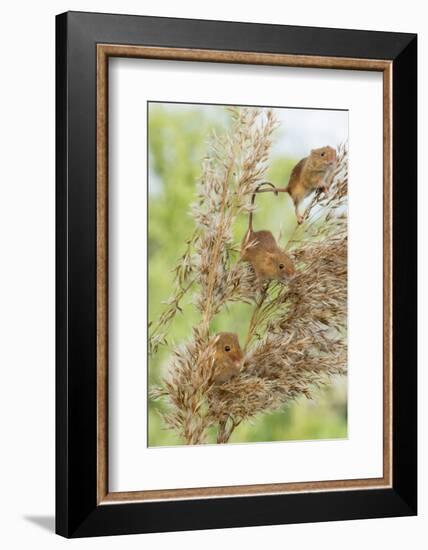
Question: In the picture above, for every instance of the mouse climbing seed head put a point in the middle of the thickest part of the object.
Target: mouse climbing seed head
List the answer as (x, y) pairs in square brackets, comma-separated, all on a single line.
[(322, 159), (261, 250), (228, 357), (316, 171), (269, 262)]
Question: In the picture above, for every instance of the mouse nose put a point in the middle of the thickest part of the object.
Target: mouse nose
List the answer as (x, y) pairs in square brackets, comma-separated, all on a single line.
[(291, 273)]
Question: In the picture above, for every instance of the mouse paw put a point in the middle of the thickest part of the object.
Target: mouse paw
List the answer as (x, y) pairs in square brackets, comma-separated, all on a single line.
[(299, 219)]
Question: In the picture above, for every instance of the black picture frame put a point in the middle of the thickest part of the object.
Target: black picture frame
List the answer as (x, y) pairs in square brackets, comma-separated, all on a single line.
[(77, 511)]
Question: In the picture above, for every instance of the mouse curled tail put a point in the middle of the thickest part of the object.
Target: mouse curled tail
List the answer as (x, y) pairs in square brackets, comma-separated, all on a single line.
[(274, 189), (253, 198)]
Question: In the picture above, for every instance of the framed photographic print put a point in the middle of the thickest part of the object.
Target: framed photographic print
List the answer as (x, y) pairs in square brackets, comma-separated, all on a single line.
[(236, 274)]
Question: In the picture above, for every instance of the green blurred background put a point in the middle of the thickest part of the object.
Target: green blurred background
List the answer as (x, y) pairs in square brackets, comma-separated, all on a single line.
[(177, 143)]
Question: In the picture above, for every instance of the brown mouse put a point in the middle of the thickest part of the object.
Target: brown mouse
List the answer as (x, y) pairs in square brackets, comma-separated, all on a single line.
[(260, 249), (313, 172), (228, 357)]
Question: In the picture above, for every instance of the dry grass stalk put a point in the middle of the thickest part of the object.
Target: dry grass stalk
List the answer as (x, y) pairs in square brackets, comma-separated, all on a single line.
[(297, 333), (234, 166)]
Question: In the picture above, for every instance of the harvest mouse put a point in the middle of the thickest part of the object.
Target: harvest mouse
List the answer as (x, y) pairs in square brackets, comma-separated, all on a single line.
[(260, 249), (228, 357), (313, 172)]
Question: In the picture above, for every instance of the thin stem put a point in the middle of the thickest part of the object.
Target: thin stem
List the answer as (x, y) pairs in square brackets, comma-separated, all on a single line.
[(216, 252), (221, 433), (168, 314), (224, 432), (173, 303), (253, 320)]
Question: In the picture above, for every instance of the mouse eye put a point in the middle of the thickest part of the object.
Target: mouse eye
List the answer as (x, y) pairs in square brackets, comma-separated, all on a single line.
[(323, 154), (281, 266), (226, 348)]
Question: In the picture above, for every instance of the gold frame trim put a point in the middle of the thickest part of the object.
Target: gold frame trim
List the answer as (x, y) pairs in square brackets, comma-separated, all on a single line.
[(104, 51)]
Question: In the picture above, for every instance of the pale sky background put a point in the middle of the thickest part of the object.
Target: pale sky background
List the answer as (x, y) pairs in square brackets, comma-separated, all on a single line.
[(304, 129), (300, 129)]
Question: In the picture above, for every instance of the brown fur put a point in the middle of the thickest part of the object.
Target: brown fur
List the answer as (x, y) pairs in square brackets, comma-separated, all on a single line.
[(268, 260), (260, 249), (228, 357), (311, 173)]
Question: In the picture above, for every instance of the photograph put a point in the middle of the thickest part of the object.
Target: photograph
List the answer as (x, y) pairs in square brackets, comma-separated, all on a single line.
[(212, 264), (247, 273)]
